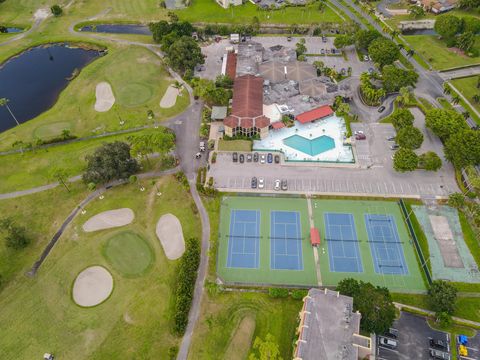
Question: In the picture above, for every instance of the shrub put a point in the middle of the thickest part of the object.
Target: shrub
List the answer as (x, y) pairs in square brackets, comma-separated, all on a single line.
[(182, 179), (56, 10), (409, 137), (214, 158), (299, 294), (429, 161), (278, 293), (15, 235), (186, 277)]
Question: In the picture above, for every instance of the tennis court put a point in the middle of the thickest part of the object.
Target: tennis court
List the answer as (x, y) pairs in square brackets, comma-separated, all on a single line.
[(385, 245), (286, 240), (342, 240), (243, 242)]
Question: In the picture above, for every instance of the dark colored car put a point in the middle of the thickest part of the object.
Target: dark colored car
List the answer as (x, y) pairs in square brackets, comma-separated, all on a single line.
[(277, 159), (381, 109), (392, 333), (284, 185), (269, 158), (242, 158), (254, 182), (289, 38), (255, 157), (360, 137), (438, 344), (235, 157)]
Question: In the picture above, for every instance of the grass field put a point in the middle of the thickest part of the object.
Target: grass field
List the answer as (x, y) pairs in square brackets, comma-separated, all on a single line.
[(128, 253), (234, 145), (468, 87), (264, 274), (133, 323), (221, 316), (210, 11)]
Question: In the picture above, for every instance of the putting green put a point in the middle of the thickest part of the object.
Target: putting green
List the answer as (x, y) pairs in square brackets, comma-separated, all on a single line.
[(128, 253), (51, 130), (134, 94)]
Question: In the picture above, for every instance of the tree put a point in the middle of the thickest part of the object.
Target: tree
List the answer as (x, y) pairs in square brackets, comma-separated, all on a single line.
[(374, 303), (442, 296), (404, 96), (429, 161), (256, 24), (383, 51), (446, 88), (471, 24), (342, 41), (61, 176), (448, 25), (4, 102), (184, 54), (456, 200), (466, 41), (300, 48), (395, 78), (110, 161), (15, 235), (3, 29), (463, 148), (416, 11), (56, 10), (161, 141), (409, 137), (172, 17), (444, 123), (401, 118), (364, 38), (224, 81), (405, 160), (265, 349)]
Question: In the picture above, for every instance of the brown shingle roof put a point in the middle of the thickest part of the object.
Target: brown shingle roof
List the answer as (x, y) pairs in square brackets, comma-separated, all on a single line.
[(247, 96), (231, 70)]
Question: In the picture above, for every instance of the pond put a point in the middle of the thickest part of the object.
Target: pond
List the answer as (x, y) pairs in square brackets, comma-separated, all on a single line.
[(419, 32), (118, 29), (33, 80), (11, 30)]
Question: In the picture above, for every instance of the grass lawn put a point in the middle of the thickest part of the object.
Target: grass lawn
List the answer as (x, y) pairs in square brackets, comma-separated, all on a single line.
[(445, 104), (221, 315), (134, 322), (234, 145), (210, 11), (468, 87), (128, 253), (436, 52), (138, 81)]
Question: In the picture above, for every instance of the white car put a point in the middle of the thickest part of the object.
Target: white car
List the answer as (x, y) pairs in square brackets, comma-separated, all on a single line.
[(277, 185), (261, 183), (359, 132), (262, 159)]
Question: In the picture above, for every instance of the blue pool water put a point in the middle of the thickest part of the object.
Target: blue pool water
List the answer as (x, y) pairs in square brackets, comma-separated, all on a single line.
[(311, 147)]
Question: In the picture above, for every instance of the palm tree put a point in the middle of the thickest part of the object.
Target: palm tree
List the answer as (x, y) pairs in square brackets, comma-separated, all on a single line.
[(466, 114), (446, 88), (455, 99), (4, 102), (476, 98)]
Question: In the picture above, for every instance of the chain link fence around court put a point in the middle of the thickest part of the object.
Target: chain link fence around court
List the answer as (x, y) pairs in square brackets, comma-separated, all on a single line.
[(450, 257)]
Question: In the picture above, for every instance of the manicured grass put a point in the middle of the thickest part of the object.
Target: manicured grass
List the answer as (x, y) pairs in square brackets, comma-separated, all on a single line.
[(128, 253), (469, 237), (210, 11), (134, 322), (445, 104), (468, 87), (436, 52), (422, 239), (138, 80), (221, 315), (234, 145)]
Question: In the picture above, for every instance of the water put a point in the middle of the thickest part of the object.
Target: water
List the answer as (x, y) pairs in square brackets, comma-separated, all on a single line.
[(12, 30), (311, 147), (33, 80), (419, 32), (118, 29)]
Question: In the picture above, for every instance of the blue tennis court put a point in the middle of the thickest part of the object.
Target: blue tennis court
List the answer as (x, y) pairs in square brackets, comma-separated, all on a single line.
[(286, 241), (343, 249), (385, 245), (243, 241)]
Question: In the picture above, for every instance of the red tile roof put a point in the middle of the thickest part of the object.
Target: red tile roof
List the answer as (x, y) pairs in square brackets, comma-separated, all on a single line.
[(230, 121), (246, 123), (231, 69), (262, 122), (278, 125), (314, 237), (315, 114)]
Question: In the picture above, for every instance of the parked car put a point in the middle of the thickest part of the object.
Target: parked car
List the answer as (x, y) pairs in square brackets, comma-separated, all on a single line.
[(381, 109), (439, 344), (249, 157), (242, 158), (388, 343), (322, 51), (359, 132), (202, 146), (261, 183), (277, 185), (269, 158), (324, 39), (254, 182), (392, 333), (262, 159), (391, 138), (394, 147), (255, 157), (437, 354), (235, 157), (284, 185), (277, 159), (289, 38), (365, 57), (360, 137), (371, 70)]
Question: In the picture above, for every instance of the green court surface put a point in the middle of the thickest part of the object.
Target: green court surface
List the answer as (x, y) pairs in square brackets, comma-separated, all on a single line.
[(381, 252), (411, 281), (264, 274)]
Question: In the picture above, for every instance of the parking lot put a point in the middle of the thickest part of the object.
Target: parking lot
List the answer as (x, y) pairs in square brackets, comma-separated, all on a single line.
[(473, 348), (413, 339)]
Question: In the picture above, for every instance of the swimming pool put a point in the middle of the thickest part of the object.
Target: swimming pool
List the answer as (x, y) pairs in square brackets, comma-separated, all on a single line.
[(310, 147)]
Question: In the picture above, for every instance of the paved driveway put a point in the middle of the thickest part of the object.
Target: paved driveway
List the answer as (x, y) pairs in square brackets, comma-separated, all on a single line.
[(473, 348), (413, 339)]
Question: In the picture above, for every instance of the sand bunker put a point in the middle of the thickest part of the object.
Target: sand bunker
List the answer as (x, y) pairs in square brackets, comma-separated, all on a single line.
[(170, 97), (109, 219), (169, 232), (92, 286), (105, 97), (41, 14)]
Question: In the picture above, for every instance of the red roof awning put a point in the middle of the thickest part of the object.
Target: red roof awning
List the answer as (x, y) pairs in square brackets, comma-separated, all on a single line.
[(314, 237), (278, 125), (315, 114)]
